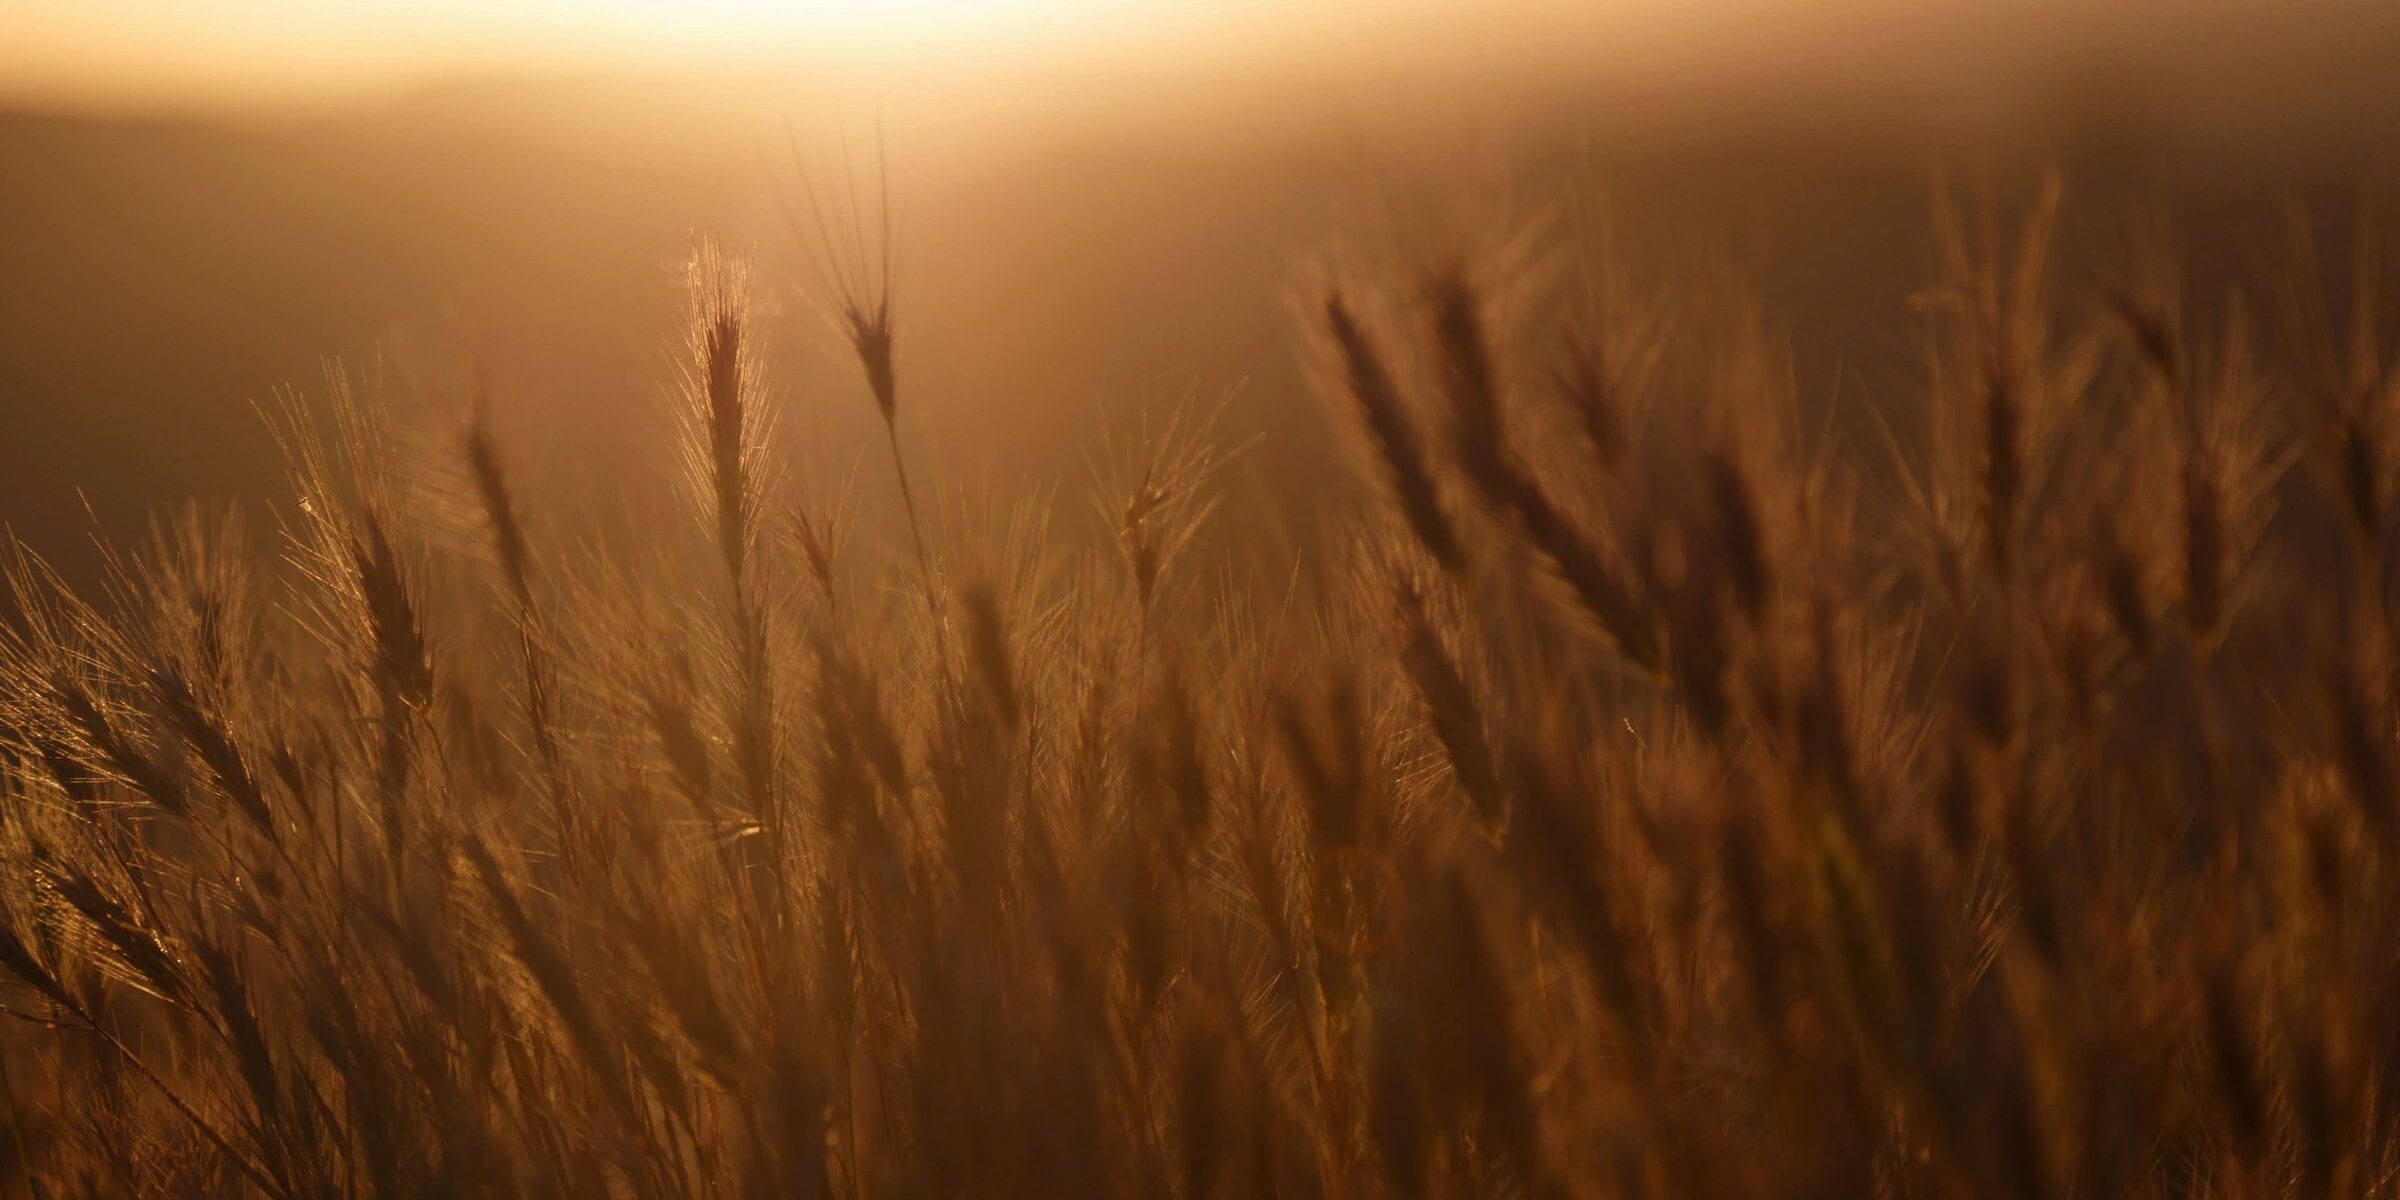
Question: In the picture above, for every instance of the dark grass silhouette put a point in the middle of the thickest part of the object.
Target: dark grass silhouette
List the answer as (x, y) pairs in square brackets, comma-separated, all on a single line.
[(1646, 793)]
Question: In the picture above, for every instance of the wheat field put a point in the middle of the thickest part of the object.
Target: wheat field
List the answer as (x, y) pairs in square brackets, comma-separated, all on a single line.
[(1640, 784)]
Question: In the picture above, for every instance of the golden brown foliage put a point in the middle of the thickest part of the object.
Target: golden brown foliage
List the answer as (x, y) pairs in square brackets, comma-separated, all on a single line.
[(1641, 795)]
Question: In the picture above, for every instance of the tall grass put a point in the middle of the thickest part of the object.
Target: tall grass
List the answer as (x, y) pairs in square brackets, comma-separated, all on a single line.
[(1648, 793)]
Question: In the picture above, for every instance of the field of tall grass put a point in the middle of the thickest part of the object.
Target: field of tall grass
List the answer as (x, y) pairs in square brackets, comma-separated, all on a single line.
[(1646, 778)]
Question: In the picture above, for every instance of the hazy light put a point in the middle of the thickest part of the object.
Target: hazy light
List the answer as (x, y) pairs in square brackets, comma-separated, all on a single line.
[(871, 22), (268, 48)]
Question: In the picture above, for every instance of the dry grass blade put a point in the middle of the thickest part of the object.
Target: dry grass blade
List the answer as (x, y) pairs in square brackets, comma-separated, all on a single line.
[(1383, 412), (1660, 815)]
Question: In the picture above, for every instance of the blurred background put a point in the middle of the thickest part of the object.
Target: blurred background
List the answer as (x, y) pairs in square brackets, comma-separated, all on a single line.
[(1103, 209)]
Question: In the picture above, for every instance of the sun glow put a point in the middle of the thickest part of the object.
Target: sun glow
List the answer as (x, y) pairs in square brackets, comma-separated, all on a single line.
[(883, 26), (284, 47)]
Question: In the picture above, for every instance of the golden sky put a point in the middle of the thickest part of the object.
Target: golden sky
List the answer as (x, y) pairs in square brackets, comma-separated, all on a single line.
[(175, 54), (179, 50)]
